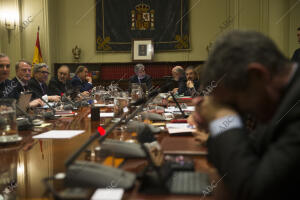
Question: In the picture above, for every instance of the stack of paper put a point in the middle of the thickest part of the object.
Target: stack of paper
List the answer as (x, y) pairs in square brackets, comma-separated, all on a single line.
[(180, 128), (58, 134)]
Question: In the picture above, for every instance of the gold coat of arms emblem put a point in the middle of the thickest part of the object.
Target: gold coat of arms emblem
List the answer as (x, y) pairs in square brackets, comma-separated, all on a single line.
[(142, 18)]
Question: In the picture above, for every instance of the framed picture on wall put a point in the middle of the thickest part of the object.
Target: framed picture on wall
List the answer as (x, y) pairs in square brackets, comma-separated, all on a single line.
[(142, 50)]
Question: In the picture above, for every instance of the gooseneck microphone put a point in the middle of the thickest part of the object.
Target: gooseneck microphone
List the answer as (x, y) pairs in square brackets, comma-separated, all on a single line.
[(24, 123), (153, 93), (70, 105), (177, 104)]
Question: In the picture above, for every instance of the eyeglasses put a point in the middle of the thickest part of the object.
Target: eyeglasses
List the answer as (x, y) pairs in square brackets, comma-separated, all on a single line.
[(3, 65), (26, 70), (44, 72), (63, 74)]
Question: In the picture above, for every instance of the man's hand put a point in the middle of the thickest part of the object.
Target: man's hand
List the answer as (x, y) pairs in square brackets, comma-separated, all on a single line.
[(89, 79), (175, 90), (85, 93), (207, 110), (190, 84), (201, 136), (35, 103), (54, 98)]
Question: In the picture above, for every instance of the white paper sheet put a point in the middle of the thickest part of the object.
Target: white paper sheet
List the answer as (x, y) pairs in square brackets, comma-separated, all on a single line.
[(58, 134), (104, 115), (175, 109), (180, 128), (50, 103), (108, 194), (104, 105)]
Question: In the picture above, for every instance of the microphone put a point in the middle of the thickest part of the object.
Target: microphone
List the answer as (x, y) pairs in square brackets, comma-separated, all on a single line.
[(24, 123), (90, 173), (70, 104), (153, 93), (68, 107), (177, 104)]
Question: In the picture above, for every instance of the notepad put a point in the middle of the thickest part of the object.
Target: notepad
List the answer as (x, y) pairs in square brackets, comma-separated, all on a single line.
[(108, 194), (175, 109), (180, 128), (103, 105), (59, 134)]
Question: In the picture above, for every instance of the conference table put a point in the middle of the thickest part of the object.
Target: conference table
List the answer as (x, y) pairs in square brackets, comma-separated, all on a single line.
[(37, 159)]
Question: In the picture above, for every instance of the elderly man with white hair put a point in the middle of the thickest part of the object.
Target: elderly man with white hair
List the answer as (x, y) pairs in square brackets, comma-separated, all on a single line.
[(178, 75)]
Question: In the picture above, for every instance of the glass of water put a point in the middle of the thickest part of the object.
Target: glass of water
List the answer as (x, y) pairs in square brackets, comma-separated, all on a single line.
[(8, 124)]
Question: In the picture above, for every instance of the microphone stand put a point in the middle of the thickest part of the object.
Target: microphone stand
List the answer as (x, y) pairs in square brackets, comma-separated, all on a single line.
[(177, 104), (24, 124), (73, 157)]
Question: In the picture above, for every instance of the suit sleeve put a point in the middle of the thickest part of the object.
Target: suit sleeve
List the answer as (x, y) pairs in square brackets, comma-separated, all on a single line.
[(35, 88), (53, 88), (149, 82), (86, 87), (253, 175), (182, 87)]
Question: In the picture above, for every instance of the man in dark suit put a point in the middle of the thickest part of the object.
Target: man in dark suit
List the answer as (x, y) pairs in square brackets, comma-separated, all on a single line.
[(179, 78), (82, 81), (296, 55), (259, 80), (60, 84), (192, 84), (8, 89), (23, 75), (38, 85), (140, 76)]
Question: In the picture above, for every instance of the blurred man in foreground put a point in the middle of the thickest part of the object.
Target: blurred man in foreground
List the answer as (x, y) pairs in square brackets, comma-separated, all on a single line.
[(261, 81), (296, 55)]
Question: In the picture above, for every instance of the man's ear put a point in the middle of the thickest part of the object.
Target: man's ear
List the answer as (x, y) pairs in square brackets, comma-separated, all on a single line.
[(258, 72)]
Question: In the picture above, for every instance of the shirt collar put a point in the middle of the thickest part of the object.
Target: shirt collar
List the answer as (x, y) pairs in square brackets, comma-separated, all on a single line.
[(21, 82)]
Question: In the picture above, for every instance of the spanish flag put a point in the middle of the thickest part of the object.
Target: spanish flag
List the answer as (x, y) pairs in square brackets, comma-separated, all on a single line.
[(37, 56)]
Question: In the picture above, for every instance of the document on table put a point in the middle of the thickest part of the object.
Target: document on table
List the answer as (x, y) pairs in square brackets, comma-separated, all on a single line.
[(180, 128), (175, 109), (108, 194), (58, 134), (103, 105), (50, 103), (104, 115)]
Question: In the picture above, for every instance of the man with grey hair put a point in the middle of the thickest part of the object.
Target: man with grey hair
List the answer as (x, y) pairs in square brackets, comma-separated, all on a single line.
[(140, 76), (255, 78), (7, 87), (38, 83), (179, 78), (23, 75)]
